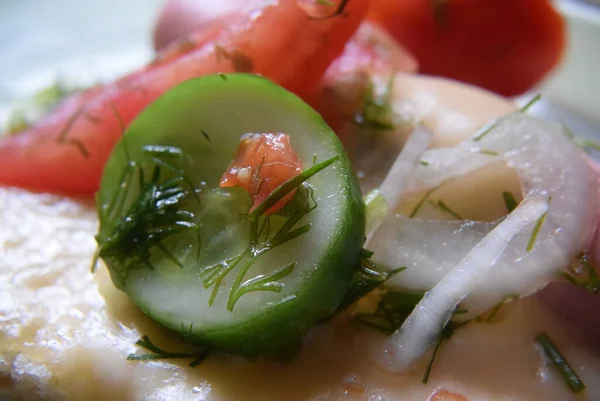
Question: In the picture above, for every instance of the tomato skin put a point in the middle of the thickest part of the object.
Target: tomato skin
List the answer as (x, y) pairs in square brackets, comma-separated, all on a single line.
[(263, 162), (65, 152), (506, 46)]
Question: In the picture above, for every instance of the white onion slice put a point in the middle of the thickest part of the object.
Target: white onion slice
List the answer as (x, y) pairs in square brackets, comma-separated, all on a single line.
[(399, 175), (547, 163), (421, 329)]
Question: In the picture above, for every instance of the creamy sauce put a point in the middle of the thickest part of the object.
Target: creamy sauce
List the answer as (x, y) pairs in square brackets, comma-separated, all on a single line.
[(66, 333)]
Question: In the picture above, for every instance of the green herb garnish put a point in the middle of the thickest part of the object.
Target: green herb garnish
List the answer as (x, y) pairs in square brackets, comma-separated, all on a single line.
[(509, 201), (422, 201), (491, 314), (155, 215), (367, 277), (376, 113), (587, 278), (392, 310), (488, 152), (158, 353), (445, 208), (214, 274), (446, 333), (530, 103), (536, 229), (559, 361)]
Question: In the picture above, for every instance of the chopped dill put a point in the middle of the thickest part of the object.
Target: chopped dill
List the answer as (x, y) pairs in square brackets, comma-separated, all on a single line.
[(489, 127), (240, 61), (205, 135), (445, 335), (493, 312), (587, 144), (392, 310), (299, 207), (552, 352), (17, 122), (445, 208), (158, 353), (422, 201), (530, 103), (38, 105), (63, 136), (585, 275), (536, 229), (281, 191), (509, 201), (376, 112), (485, 130), (366, 278), (488, 152), (129, 232), (423, 163)]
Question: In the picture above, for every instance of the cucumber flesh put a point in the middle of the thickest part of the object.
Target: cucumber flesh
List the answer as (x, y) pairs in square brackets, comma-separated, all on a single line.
[(208, 281)]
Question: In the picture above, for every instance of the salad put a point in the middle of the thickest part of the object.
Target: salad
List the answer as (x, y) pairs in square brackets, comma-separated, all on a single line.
[(266, 208)]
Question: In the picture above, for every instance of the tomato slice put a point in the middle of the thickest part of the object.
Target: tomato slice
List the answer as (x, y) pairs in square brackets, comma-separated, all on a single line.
[(506, 46), (262, 163), (66, 151)]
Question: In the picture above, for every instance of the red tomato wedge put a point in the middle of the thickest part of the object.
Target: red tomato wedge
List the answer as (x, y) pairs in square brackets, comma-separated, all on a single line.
[(506, 46), (263, 162), (66, 151)]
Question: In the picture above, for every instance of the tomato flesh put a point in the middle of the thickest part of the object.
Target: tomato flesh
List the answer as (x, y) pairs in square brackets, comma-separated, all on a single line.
[(263, 162)]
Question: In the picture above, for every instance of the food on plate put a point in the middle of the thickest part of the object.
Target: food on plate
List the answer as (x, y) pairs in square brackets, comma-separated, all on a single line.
[(506, 46), (388, 243), (65, 152), (260, 274)]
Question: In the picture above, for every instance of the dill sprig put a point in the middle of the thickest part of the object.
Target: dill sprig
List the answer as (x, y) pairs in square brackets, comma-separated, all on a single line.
[(423, 199), (392, 310), (38, 105), (509, 201), (130, 232), (587, 144), (366, 278), (447, 209), (488, 152), (376, 112), (560, 362), (586, 278), (489, 316), (530, 103), (536, 229), (485, 130), (281, 191), (445, 335), (490, 127), (158, 353), (260, 242)]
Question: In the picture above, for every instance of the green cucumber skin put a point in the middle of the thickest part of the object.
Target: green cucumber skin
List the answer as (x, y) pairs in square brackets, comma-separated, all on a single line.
[(277, 328)]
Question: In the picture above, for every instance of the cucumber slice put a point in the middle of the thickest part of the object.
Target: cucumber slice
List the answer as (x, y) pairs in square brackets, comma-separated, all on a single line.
[(181, 247)]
